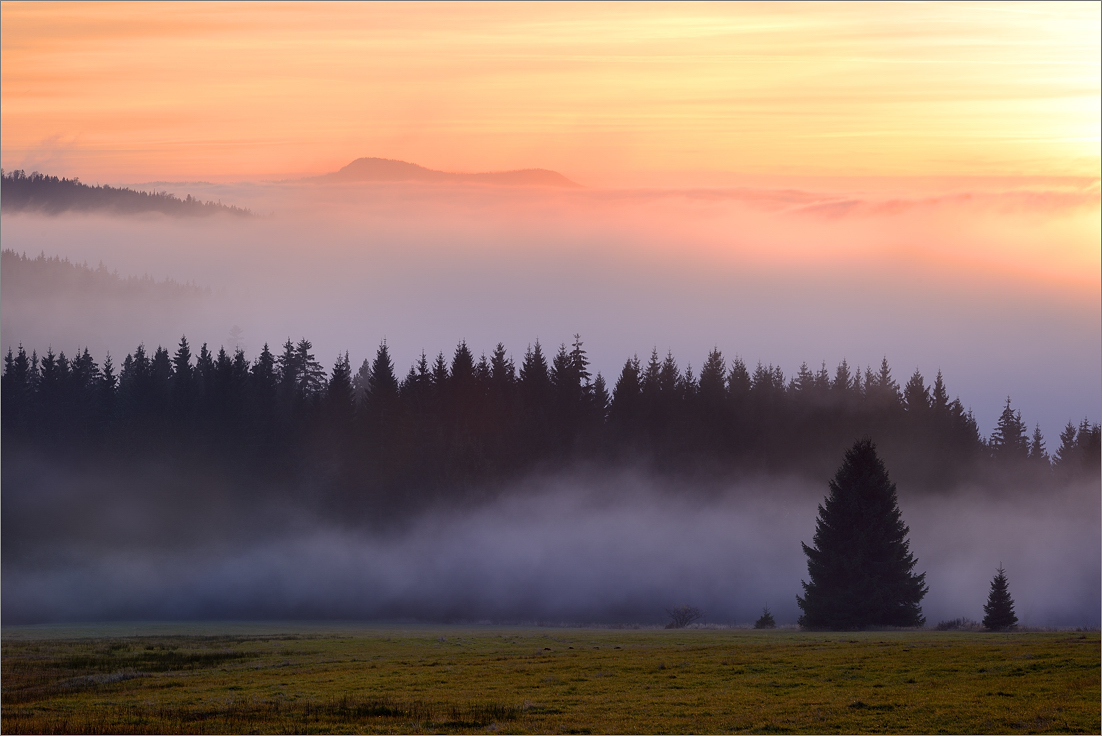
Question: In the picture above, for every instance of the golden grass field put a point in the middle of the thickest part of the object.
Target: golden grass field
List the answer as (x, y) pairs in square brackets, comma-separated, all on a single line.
[(224, 678)]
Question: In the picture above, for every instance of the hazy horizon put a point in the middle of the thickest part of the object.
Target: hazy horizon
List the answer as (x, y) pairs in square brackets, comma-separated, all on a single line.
[(778, 275)]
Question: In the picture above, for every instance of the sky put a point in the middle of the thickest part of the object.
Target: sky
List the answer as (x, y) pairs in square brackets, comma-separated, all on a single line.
[(605, 93)]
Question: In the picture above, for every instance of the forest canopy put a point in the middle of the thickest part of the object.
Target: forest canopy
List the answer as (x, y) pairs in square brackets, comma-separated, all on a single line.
[(453, 427)]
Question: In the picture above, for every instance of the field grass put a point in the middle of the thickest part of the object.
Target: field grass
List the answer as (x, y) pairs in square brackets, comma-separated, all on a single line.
[(225, 679)]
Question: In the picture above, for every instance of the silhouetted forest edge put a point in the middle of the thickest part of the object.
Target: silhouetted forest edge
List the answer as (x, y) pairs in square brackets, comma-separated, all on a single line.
[(50, 195), (372, 440)]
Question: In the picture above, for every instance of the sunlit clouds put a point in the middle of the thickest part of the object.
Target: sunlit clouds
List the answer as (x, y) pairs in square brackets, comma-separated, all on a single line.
[(606, 94)]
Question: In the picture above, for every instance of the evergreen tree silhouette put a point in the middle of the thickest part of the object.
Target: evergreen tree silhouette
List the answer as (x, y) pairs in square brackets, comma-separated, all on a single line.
[(939, 396), (766, 620), (264, 376), (288, 373), (203, 378), (999, 609), (311, 374), (600, 400), (860, 566), (17, 392), (881, 389), (625, 409), (382, 384), (440, 373), (534, 389), (339, 400), (843, 381), (804, 380), (916, 397), (380, 408), (181, 383), (711, 405), (107, 392), (1037, 453), (263, 390), (738, 380), (1008, 441)]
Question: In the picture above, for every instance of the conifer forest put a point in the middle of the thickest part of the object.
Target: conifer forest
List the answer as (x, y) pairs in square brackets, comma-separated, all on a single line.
[(454, 427)]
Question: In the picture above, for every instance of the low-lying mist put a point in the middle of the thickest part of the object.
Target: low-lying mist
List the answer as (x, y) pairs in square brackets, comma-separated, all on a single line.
[(997, 287), (586, 546)]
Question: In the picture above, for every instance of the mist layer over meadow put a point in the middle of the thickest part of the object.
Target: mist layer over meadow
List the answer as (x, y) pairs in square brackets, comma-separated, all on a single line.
[(611, 547)]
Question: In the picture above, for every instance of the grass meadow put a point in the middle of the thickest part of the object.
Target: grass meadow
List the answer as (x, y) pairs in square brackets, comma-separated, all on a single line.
[(255, 678)]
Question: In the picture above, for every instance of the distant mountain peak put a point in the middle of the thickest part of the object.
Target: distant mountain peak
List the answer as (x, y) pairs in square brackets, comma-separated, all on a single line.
[(385, 169)]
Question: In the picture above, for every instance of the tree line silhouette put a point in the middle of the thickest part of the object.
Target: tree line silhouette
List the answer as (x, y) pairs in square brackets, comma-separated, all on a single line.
[(453, 427), (22, 192)]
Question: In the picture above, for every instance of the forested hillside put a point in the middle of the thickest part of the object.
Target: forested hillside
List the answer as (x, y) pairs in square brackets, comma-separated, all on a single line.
[(452, 428), (50, 195), (55, 277)]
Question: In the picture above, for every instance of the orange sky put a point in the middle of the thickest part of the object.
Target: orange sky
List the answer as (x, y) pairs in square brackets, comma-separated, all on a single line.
[(604, 93)]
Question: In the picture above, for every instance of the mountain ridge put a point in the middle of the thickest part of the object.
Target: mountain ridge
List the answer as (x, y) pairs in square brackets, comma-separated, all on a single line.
[(386, 169)]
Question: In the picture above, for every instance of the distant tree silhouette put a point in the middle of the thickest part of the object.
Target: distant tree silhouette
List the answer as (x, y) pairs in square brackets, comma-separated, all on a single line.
[(843, 380), (860, 566), (1037, 454), (766, 620), (682, 616), (1080, 448), (916, 397), (380, 403), (1009, 441), (600, 401), (339, 401), (999, 609), (535, 400), (21, 192), (625, 410)]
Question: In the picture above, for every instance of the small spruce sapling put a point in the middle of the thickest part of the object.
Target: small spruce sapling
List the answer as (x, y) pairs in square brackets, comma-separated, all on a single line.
[(766, 621)]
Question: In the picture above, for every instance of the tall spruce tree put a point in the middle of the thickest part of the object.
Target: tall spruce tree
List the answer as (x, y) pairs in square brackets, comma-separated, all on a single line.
[(999, 609), (861, 565)]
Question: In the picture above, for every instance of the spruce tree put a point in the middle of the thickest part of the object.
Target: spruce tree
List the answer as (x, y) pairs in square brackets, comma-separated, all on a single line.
[(1008, 441), (916, 397), (766, 620), (339, 400), (380, 406), (861, 565), (1037, 453), (999, 609)]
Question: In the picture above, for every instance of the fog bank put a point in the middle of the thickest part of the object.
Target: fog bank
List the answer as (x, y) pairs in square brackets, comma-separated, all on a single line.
[(997, 287), (582, 547)]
